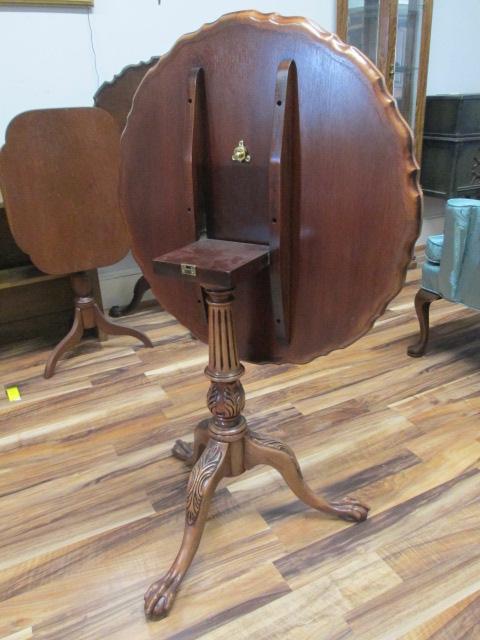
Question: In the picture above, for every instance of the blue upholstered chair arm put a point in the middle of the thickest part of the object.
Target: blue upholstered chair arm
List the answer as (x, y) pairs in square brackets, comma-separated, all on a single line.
[(459, 278)]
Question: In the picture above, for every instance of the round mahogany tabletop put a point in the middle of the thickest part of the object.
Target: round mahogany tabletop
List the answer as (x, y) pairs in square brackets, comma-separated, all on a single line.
[(356, 198)]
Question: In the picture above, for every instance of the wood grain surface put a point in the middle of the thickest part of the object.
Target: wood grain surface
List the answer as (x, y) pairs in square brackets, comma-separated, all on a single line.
[(59, 176), (92, 503), (115, 96), (354, 199)]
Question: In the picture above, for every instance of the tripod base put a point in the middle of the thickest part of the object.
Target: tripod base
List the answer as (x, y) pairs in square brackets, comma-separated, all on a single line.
[(224, 446), (87, 316), (213, 459)]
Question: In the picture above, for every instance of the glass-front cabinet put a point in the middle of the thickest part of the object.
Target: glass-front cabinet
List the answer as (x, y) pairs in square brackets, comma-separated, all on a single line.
[(395, 35)]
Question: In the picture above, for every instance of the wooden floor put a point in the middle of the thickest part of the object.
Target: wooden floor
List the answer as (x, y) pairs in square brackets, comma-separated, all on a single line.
[(91, 502)]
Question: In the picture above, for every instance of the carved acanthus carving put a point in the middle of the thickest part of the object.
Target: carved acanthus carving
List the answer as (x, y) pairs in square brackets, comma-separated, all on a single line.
[(201, 474), (226, 400), (267, 441)]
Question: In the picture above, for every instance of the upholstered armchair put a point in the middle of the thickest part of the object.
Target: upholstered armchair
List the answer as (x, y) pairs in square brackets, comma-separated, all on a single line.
[(452, 266)]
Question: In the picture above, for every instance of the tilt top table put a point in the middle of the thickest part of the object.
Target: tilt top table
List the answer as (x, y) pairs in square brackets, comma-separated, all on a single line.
[(269, 183), (115, 97), (59, 176)]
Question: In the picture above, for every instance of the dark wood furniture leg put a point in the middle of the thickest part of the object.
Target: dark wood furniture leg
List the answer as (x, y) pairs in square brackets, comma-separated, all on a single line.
[(260, 449), (423, 300), (97, 295), (104, 324), (189, 453), (72, 338), (204, 478), (87, 316), (140, 289), (229, 449)]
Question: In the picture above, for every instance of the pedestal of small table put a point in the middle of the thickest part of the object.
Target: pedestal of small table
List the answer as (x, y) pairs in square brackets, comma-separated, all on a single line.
[(59, 175), (224, 446)]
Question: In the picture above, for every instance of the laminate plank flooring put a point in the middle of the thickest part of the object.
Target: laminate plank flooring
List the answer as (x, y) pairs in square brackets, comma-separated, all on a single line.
[(92, 503)]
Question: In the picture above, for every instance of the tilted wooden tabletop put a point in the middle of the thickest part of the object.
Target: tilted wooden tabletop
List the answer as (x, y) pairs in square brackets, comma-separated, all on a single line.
[(354, 189)]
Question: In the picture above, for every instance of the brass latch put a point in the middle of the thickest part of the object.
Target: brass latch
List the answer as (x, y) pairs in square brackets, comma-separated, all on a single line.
[(188, 269), (240, 153)]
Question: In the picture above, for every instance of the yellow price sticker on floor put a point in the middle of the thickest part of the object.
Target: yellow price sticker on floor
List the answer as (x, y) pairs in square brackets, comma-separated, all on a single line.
[(13, 394)]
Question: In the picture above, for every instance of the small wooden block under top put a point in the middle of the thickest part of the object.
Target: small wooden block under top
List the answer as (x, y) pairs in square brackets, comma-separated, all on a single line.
[(220, 263)]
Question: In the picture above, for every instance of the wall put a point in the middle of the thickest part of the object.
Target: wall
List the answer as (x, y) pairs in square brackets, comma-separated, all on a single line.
[(45, 60), (454, 66), (46, 57), (121, 38)]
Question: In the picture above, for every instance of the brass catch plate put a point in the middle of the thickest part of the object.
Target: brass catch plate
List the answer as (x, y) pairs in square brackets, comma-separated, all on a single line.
[(240, 153), (188, 270)]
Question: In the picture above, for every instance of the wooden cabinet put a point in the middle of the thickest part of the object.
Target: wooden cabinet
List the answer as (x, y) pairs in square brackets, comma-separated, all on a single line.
[(395, 35), (10, 254), (451, 146)]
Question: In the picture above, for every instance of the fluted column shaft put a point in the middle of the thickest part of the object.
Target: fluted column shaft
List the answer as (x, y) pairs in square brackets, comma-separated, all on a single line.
[(226, 397)]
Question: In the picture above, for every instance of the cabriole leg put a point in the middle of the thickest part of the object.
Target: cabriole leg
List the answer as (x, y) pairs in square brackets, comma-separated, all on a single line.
[(190, 453), (113, 329), (72, 338), (423, 300), (260, 449), (141, 287), (204, 478)]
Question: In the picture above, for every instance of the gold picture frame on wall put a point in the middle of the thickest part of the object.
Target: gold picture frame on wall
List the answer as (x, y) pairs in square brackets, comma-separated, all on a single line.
[(49, 3)]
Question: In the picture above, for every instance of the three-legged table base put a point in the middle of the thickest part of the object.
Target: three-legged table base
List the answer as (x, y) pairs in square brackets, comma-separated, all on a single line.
[(87, 316), (214, 460)]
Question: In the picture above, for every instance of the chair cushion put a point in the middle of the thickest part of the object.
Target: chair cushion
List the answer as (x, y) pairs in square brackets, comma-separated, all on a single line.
[(430, 276), (433, 249)]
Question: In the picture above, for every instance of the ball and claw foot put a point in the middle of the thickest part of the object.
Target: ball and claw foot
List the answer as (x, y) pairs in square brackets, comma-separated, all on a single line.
[(191, 452), (350, 509), (183, 451), (160, 596)]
